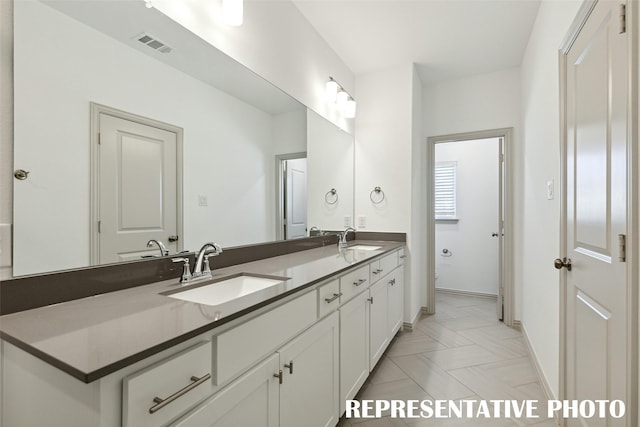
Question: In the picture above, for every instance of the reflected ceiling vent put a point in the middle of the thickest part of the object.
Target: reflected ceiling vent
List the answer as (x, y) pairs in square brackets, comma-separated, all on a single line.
[(153, 43)]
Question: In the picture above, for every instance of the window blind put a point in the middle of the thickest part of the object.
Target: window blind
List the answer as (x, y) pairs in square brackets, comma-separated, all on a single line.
[(445, 190)]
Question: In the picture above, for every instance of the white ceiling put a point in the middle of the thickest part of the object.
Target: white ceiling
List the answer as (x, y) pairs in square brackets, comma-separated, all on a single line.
[(445, 38)]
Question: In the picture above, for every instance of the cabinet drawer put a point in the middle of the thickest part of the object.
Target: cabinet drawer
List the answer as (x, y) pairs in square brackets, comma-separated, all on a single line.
[(354, 282), (237, 349), (383, 266), (328, 297), (156, 395), (401, 256)]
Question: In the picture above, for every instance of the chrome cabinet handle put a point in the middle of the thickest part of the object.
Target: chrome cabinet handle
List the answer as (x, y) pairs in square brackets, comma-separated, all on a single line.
[(359, 282), (392, 282), (279, 376), (161, 403), (370, 300), (290, 366), (333, 298), (403, 256), (378, 271)]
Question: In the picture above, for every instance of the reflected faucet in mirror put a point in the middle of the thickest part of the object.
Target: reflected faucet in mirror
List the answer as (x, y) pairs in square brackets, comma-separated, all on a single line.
[(315, 231), (163, 250), (342, 237)]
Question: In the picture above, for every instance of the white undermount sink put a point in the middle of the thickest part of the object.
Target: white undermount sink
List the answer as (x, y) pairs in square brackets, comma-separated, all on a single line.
[(364, 248), (228, 289)]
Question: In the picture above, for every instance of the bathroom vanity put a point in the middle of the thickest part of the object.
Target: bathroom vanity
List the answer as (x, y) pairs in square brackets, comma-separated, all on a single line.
[(283, 353)]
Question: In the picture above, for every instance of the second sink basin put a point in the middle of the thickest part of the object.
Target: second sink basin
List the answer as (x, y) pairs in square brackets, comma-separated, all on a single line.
[(225, 290), (364, 248)]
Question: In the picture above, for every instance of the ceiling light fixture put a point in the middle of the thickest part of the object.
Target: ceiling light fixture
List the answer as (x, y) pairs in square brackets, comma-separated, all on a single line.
[(336, 94), (232, 11)]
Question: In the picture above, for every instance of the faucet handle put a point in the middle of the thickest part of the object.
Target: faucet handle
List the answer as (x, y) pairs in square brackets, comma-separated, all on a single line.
[(186, 272), (206, 270)]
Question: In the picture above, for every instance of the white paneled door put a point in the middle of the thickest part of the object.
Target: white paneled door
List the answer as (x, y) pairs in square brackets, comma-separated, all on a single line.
[(296, 198), (598, 349), (137, 189)]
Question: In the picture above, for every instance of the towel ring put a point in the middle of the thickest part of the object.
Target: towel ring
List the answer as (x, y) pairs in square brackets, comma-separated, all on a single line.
[(331, 195), (378, 192)]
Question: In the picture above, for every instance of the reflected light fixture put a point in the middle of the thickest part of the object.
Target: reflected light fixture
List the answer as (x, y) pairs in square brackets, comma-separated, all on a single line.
[(232, 10), (336, 94), (350, 108), (148, 4)]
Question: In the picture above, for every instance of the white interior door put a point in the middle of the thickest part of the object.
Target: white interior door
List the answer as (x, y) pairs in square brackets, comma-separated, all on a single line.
[(296, 198), (500, 232), (138, 189), (597, 315)]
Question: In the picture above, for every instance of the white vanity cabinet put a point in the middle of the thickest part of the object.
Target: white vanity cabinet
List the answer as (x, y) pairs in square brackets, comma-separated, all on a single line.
[(309, 389), (354, 347), (251, 400), (296, 386), (378, 323), (287, 365)]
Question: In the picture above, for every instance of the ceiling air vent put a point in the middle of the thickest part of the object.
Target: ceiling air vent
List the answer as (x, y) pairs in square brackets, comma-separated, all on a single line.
[(153, 43)]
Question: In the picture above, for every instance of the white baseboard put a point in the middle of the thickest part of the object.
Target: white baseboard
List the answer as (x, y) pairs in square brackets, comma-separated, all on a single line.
[(410, 326), (466, 293), (546, 388)]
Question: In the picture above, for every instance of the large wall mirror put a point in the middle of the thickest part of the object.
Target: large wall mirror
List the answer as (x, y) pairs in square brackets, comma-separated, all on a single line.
[(234, 128)]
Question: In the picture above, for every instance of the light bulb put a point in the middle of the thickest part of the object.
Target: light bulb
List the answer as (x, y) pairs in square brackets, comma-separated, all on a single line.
[(341, 99), (331, 90), (350, 109), (232, 11)]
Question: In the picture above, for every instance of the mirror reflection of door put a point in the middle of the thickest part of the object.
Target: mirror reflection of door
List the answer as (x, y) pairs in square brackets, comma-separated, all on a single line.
[(138, 186), (292, 196)]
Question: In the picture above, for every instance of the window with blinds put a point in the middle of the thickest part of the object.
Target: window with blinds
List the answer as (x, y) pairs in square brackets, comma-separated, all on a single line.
[(445, 190)]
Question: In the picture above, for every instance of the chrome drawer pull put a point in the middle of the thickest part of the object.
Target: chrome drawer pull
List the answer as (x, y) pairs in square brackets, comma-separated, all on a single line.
[(378, 271), (333, 298), (359, 282), (161, 403), (403, 256)]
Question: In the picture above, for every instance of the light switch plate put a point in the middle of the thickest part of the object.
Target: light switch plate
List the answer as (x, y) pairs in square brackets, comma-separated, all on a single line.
[(347, 220), (202, 200), (362, 221), (550, 190)]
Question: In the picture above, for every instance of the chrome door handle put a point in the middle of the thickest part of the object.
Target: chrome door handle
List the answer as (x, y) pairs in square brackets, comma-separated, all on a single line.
[(564, 262)]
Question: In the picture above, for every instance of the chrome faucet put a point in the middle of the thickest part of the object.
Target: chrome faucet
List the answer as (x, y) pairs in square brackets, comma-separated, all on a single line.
[(342, 237), (202, 268), (161, 247)]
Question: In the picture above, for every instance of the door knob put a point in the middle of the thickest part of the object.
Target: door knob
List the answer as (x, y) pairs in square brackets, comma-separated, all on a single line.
[(564, 262)]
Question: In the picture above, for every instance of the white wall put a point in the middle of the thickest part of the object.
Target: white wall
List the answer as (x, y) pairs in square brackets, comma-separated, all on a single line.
[(540, 118), (473, 264), (482, 102), (223, 138), (329, 165), (290, 132), (6, 136), (275, 41), (385, 133)]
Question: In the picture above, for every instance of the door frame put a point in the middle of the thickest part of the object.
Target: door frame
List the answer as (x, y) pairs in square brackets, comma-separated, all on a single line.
[(633, 195), (280, 183), (508, 245), (94, 139)]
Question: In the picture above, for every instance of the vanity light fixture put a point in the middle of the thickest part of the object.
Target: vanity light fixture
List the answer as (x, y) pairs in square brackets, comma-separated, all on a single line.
[(336, 94), (232, 10)]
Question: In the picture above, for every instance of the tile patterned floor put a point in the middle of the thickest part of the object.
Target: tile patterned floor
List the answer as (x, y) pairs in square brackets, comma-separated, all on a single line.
[(462, 352)]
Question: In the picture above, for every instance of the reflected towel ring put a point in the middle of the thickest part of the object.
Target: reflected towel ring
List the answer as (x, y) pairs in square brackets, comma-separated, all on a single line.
[(378, 198), (331, 194)]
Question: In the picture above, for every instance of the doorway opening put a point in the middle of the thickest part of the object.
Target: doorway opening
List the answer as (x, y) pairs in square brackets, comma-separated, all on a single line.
[(469, 234), (291, 192)]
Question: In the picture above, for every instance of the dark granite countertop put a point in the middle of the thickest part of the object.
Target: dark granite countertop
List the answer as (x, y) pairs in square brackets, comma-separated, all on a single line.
[(92, 337)]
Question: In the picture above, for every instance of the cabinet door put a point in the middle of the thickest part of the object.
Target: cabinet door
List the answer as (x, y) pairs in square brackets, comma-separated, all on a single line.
[(354, 347), (378, 323), (251, 400), (309, 391), (395, 293)]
